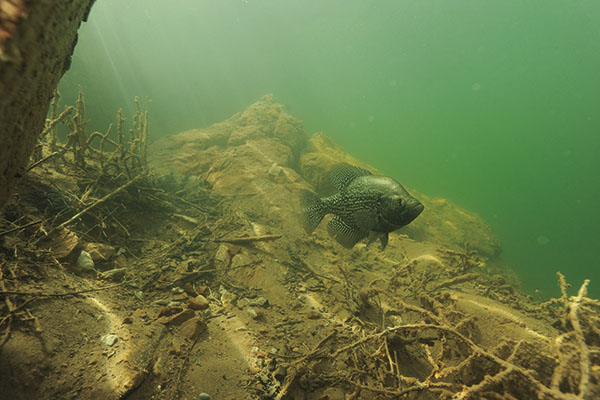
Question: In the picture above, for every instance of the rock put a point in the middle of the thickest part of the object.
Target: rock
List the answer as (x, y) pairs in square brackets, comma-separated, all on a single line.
[(334, 393), (222, 257), (158, 367), (193, 327), (252, 313), (63, 243), (227, 298), (260, 301), (100, 251), (116, 274), (177, 319), (202, 289), (275, 170), (203, 396), (198, 303), (167, 311), (127, 320), (177, 290), (243, 303), (85, 261), (180, 297), (344, 314), (176, 346), (109, 339), (312, 314), (280, 373), (140, 313)]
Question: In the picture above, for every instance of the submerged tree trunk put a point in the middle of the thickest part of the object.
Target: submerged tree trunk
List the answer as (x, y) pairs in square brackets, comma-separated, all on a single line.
[(37, 39)]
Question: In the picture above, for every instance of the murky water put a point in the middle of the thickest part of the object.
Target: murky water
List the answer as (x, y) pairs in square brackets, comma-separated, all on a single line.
[(493, 105)]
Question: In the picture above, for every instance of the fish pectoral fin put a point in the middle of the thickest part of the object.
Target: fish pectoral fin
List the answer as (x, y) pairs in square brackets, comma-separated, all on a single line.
[(373, 236), (345, 235), (383, 239), (365, 220)]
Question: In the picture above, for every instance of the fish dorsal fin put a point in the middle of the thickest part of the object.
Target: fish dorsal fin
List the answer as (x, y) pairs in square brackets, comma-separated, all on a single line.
[(338, 177)]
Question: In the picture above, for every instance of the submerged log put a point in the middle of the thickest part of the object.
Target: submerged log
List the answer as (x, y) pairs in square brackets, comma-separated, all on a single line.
[(37, 39)]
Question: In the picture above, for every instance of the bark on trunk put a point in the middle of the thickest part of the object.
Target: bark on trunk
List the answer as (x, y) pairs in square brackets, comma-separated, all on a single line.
[(37, 39)]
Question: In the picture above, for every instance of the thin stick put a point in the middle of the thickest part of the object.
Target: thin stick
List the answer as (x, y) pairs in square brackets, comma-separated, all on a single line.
[(102, 200), (20, 227), (584, 359), (35, 164), (249, 239), (55, 122)]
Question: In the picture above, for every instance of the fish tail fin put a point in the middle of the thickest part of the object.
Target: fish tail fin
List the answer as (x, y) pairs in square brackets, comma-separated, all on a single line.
[(313, 210)]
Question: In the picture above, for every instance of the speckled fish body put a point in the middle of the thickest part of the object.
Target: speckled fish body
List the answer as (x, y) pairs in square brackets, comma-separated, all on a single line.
[(362, 205)]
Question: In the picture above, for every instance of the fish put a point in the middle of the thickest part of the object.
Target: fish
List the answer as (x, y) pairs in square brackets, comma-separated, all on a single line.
[(363, 205)]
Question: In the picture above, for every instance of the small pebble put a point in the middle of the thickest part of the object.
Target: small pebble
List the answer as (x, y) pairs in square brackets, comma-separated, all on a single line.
[(261, 301), (203, 396), (177, 290), (242, 303), (198, 303), (252, 313), (312, 314), (109, 339), (85, 260)]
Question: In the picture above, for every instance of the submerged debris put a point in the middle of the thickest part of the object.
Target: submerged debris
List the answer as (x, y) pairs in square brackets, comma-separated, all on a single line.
[(208, 298)]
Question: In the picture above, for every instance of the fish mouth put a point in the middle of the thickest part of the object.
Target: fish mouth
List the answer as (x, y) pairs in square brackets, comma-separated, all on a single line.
[(418, 208)]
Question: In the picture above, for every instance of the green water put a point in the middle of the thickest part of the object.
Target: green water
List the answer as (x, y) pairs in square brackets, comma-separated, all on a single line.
[(494, 105)]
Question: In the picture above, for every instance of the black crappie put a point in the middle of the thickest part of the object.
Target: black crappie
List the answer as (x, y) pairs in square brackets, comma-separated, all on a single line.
[(362, 205)]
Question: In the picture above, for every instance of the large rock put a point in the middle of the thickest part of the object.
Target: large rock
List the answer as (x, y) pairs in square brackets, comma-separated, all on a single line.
[(264, 130), (37, 39)]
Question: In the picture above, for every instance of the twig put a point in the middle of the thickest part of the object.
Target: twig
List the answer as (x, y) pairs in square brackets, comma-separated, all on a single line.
[(584, 359), (458, 279), (52, 124), (431, 386), (249, 239), (94, 204), (35, 164), (20, 227)]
